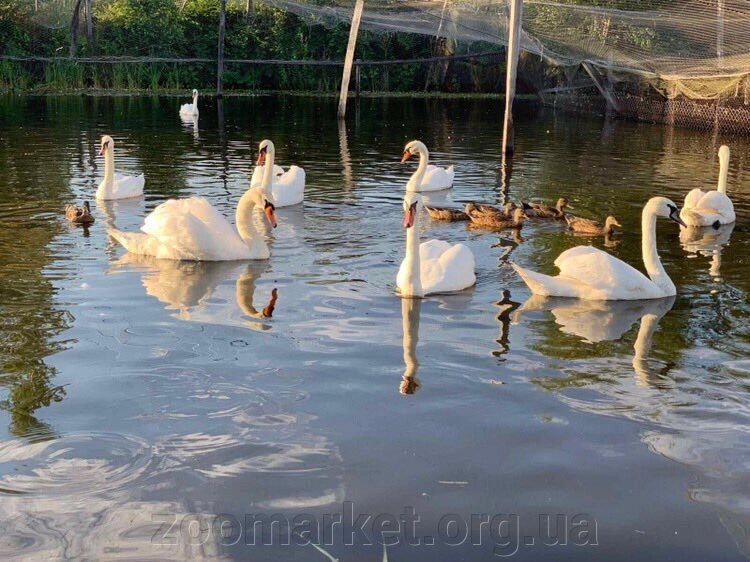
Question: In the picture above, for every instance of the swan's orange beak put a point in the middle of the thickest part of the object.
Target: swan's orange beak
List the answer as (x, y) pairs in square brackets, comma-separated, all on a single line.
[(261, 157), (405, 156), (409, 215), (270, 212)]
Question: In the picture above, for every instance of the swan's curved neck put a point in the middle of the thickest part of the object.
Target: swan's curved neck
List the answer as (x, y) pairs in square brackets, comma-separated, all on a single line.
[(109, 173), (651, 260), (195, 99), (244, 221), (424, 158), (410, 309), (267, 179), (412, 261), (723, 172)]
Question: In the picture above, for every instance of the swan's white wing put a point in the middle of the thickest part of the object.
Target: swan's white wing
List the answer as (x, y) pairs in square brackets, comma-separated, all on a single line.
[(289, 188), (436, 178), (692, 198), (445, 268), (604, 275), (125, 186), (257, 177)]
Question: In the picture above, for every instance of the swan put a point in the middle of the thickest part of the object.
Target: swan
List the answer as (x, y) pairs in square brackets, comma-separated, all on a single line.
[(434, 266), (427, 177), (288, 187), (192, 229), (114, 185), (589, 273), (712, 208), (190, 109)]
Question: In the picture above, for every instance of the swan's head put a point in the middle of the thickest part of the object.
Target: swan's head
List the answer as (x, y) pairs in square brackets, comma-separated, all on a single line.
[(265, 147), (412, 148), (264, 200), (663, 207), (611, 222), (412, 202), (724, 153), (107, 143), (195, 93)]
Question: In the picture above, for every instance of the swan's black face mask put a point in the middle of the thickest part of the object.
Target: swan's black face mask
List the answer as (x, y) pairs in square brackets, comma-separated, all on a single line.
[(674, 215), (261, 157)]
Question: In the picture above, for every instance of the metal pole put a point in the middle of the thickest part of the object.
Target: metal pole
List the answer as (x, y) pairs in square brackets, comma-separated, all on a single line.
[(349, 60), (220, 55), (514, 38)]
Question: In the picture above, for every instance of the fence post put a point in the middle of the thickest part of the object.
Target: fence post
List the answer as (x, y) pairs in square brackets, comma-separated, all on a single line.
[(89, 25), (220, 54), (514, 38), (74, 28), (349, 60)]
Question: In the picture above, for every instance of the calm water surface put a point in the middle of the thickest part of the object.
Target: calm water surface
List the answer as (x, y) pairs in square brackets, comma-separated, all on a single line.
[(135, 392)]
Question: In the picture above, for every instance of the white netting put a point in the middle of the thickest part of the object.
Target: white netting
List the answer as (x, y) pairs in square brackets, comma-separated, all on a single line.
[(696, 48)]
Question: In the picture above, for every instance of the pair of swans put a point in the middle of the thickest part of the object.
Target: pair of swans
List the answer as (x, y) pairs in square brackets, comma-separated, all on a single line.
[(192, 229), (433, 266), (116, 185), (287, 187)]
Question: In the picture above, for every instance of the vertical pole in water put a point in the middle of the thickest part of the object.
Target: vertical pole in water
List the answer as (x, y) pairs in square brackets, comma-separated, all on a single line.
[(349, 60), (220, 55), (357, 78), (514, 38)]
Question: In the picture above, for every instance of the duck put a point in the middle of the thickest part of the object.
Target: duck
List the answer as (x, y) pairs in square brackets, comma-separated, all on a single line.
[(287, 187), (114, 185), (446, 214), (711, 208), (79, 215), (434, 266), (592, 227), (427, 177), (498, 221), (541, 211), (477, 209), (589, 273), (190, 109), (192, 229)]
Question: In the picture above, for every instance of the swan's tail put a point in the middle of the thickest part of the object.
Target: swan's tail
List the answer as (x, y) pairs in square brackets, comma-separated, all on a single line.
[(544, 285), (134, 242)]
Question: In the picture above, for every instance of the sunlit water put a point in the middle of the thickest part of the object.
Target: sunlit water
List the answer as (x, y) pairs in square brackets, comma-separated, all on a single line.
[(137, 392)]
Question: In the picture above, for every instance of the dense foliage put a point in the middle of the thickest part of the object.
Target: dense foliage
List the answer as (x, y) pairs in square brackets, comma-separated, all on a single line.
[(166, 28)]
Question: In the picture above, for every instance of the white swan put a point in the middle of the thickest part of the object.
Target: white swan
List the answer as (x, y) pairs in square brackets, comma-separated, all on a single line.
[(427, 177), (191, 229), (288, 187), (589, 273), (434, 266), (711, 208), (190, 109), (114, 185)]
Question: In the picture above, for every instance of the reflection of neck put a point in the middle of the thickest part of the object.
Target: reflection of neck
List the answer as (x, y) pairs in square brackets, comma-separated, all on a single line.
[(410, 309), (651, 259), (109, 173), (642, 346), (244, 293), (412, 261), (715, 269)]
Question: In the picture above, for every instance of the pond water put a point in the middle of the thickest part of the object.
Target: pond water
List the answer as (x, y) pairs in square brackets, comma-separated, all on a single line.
[(147, 412)]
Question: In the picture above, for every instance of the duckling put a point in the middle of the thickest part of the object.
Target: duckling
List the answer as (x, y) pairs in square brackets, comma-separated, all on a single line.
[(588, 226), (541, 211), (446, 214), (498, 221), (483, 209), (79, 215)]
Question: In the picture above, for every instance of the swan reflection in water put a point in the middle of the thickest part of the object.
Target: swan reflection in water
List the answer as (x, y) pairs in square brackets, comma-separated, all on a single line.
[(410, 311), (189, 289), (707, 241), (596, 321), (190, 122)]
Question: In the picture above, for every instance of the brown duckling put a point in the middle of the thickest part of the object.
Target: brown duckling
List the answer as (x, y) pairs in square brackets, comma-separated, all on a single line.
[(483, 209), (446, 214), (595, 228), (541, 211), (498, 221), (79, 215)]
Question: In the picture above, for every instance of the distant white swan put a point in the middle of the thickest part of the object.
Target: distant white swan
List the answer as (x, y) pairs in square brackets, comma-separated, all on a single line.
[(114, 185), (434, 266), (288, 187), (427, 177), (190, 109), (589, 273), (192, 229), (710, 208)]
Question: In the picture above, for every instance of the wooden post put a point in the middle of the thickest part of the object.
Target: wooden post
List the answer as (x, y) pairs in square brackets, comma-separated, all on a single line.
[(602, 90), (514, 39), (89, 25), (74, 27), (349, 60), (220, 54)]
